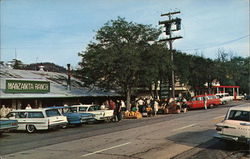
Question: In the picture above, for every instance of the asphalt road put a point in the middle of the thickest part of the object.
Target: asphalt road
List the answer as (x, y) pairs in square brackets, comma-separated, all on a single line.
[(165, 136)]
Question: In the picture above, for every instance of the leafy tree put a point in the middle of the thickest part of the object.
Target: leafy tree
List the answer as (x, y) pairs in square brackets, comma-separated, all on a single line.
[(114, 60), (233, 71), (155, 67)]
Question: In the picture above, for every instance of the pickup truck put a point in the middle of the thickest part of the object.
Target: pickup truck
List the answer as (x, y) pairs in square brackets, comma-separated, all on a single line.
[(100, 114), (7, 125)]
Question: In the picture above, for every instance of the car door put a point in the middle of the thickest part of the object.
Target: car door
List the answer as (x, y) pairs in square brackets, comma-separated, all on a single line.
[(37, 119), (200, 102), (237, 124), (21, 117), (98, 113)]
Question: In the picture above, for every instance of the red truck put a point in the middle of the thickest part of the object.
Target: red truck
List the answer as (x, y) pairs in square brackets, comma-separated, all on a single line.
[(198, 101)]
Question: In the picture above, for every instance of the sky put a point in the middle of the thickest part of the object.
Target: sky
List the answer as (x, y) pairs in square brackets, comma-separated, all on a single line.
[(57, 30)]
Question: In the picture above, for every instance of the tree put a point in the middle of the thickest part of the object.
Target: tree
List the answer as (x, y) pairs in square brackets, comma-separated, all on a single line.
[(233, 70), (114, 60), (155, 67)]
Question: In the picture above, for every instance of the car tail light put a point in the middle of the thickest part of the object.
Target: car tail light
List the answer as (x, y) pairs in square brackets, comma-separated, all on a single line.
[(48, 122), (14, 124)]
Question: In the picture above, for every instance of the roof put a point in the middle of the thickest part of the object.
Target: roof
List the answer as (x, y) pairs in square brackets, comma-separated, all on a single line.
[(82, 105), (203, 95), (241, 107), (58, 85), (32, 110)]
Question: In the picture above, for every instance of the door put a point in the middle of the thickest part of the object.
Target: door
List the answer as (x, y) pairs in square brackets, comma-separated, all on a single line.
[(198, 103), (21, 117), (37, 119)]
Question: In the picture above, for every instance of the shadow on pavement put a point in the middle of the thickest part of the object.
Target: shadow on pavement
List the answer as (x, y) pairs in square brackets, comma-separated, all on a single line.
[(212, 148)]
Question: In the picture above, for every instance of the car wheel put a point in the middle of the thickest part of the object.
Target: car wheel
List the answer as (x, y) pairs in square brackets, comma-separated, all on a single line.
[(211, 106), (30, 128)]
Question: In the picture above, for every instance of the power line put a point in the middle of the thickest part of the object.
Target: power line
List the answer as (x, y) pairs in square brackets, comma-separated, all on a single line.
[(220, 44)]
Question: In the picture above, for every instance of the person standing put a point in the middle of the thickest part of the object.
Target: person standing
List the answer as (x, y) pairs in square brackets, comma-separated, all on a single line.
[(28, 106), (3, 111), (123, 105), (205, 99), (7, 110), (111, 105), (118, 112), (156, 107), (184, 105)]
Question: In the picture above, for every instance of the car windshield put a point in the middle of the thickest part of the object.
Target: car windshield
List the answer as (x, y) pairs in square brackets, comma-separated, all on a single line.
[(52, 112), (239, 115), (83, 108)]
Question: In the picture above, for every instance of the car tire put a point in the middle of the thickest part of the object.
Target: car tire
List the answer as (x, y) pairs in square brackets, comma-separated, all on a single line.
[(30, 128), (211, 106)]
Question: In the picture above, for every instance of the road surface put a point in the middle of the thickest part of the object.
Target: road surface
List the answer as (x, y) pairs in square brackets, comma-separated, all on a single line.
[(165, 136)]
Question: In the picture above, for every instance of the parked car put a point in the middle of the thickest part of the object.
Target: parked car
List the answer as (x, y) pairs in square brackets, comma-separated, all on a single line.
[(240, 97), (224, 97), (38, 119), (198, 101), (100, 114), (235, 126), (75, 118), (7, 125), (247, 97)]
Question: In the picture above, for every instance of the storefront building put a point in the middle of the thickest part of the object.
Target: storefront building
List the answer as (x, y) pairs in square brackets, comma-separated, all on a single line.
[(18, 88)]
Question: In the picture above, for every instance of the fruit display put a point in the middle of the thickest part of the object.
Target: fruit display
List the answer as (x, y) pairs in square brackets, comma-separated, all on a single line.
[(133, 115)]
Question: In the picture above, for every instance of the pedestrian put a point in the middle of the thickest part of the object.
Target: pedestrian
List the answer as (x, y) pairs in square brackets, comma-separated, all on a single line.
[(123, 105), (3, 111), (118, 111), (184, 105), (111, 105), (156, 107), (7, 110), (28, 106), (205, 99), (103, 106)]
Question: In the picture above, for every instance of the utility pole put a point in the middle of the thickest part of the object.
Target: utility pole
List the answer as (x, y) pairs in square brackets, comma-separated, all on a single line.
[(168, 26)]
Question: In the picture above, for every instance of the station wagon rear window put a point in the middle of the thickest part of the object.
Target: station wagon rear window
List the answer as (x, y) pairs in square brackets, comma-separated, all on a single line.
[(52, 112), (35, 115), (239, 115)]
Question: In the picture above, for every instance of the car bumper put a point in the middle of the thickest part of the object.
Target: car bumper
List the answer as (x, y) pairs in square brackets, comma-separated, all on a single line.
[(57, 125), (232, 138), (85, 120)]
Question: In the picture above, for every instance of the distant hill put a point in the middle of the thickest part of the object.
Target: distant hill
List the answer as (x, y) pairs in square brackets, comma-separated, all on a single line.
[(51, 67)]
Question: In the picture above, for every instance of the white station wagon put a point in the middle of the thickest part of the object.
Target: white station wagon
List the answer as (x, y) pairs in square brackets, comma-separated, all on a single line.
[(38, 119), (236, 125)]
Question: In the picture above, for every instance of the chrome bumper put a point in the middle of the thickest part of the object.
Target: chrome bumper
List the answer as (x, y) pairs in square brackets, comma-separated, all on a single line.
[(232, 138)]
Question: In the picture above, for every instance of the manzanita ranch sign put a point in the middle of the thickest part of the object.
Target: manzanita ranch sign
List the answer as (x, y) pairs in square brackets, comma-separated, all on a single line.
[(26, 86)]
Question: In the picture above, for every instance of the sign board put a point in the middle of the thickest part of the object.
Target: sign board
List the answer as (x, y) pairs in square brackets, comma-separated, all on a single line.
[(164, 93), (27, 86)]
